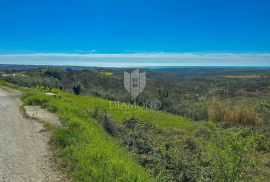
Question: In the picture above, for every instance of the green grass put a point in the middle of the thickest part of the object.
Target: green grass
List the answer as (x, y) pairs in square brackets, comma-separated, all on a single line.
[(87, 151), (3, 83), (125, 111)]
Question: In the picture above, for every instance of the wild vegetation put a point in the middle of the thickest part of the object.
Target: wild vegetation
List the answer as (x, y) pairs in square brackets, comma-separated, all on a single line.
[(188, 153), (237, 114), (104, 139), (188, 93), (88, 153)]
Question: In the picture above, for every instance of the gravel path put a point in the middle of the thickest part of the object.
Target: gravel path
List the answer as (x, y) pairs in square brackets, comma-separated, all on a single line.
[(24, 150)]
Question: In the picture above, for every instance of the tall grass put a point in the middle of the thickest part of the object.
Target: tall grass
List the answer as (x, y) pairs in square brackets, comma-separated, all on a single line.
[(242, 114)]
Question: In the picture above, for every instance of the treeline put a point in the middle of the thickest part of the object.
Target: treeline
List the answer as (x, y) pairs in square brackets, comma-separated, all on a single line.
[(27, 81)]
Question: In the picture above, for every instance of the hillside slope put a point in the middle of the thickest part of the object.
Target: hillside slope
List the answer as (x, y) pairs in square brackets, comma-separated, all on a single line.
[(160, 141)]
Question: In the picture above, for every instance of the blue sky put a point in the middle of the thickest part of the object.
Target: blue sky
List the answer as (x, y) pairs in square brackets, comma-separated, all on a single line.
[(84, 32)]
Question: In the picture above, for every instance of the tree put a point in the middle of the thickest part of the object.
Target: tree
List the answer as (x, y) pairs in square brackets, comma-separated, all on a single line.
[(77, 89)]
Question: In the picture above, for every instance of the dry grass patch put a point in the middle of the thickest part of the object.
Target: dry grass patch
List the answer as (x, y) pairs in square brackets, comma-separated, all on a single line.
[(240, 114)]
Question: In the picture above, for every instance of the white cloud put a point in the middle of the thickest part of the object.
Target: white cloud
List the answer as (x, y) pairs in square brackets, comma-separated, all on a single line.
[(139, 59)]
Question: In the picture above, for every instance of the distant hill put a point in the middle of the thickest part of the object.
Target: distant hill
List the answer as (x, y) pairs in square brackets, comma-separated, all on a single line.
[(4, 67)]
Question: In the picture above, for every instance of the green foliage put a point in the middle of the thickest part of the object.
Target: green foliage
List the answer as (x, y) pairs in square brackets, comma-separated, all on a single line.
[(88, 153), (169, 147), (263, 144), (188, 153), (77, 89), (119, 111), (107, 123), (31, 98), (230, 153), (27, 81), (185, 94), (168, 154)]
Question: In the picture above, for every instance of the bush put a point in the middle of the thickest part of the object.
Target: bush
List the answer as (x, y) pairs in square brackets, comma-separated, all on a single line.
[(95, 114), (263, 144), (77, 89), (107, 123), (230, 153), (29, 99), (33, 81), (168, 154)]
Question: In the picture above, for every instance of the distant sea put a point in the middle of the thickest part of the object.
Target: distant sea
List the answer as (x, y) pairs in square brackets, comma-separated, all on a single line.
[(207, 67), (21, 67)]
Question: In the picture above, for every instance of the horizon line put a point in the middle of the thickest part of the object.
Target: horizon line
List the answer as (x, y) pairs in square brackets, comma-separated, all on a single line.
[(143, 59)]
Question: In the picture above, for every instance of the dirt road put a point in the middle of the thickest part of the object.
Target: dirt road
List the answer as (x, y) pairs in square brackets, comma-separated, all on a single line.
[(24, 150)]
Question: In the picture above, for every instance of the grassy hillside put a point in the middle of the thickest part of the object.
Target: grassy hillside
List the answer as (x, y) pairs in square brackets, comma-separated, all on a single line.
[(156, 146), (120, 111), (88, 152)]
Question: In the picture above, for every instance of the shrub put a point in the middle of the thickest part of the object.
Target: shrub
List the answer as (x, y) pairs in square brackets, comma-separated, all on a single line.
[(231, 156), (95, 113), (77, 89), (168, 154), (263, 144), (32, 81), (30, 100), (203, 132), (107, 123)]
